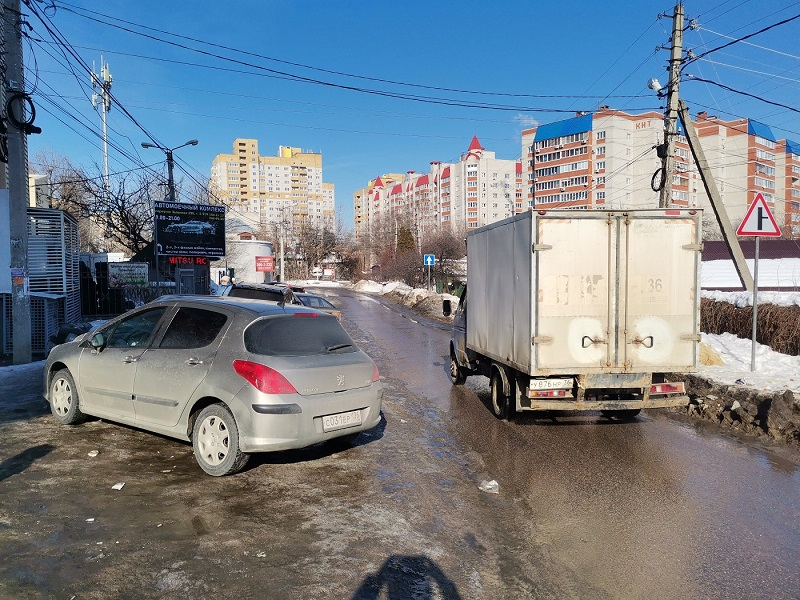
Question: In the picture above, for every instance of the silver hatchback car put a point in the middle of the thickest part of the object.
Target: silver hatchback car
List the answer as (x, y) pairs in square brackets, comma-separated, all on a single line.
[(232, 375)]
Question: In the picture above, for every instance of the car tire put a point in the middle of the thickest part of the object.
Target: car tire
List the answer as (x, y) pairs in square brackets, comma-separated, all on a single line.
[(215, 439), (501, 404), (63, 396), (458, 374)]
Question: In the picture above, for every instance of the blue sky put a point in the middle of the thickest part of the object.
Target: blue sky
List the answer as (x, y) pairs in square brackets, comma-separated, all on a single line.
[(540, 61)]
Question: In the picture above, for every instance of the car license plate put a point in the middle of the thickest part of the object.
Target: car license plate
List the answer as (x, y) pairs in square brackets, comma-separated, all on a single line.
[(341, 420), (550, 384)]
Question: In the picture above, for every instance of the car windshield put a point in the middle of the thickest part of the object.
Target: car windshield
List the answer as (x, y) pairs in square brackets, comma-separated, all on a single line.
[(297, 335)]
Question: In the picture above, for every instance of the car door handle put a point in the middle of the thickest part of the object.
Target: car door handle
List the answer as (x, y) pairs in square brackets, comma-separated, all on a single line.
[(130, 359), (194, 361)]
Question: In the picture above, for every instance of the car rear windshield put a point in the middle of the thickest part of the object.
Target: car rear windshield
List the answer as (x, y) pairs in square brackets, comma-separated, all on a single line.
[(255, 294), (299, 335)]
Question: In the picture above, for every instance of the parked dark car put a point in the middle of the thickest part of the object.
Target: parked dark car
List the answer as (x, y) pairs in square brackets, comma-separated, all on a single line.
[(260, 291), (232, 375)]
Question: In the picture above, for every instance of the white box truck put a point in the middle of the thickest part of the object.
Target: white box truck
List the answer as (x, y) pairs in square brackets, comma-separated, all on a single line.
[(581, 310)]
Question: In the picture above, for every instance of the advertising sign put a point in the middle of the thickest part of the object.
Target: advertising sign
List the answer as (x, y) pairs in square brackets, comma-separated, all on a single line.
[(128, 274), (190, 229), (265, 264)]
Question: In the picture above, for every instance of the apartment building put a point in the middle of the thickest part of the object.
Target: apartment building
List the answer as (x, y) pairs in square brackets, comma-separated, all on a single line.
[(264, 190), (746, 158), (787, 187), (593, 160), (478, 189), (607, 159)]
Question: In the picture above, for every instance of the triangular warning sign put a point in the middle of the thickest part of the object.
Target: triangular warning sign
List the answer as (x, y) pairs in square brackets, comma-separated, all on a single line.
[(759, 220)]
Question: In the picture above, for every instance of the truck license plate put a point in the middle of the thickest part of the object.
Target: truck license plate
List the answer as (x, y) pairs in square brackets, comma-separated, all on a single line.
[(550, 384), (341, 420)]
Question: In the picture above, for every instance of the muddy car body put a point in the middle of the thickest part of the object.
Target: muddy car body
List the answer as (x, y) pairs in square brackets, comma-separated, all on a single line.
[(234, 376)]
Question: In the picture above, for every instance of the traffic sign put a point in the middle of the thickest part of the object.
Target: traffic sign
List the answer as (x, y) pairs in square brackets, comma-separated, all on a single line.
[(759, 221), (429, 260)]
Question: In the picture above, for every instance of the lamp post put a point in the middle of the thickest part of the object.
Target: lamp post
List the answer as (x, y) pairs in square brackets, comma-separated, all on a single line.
[(170, 163), (171, 191)]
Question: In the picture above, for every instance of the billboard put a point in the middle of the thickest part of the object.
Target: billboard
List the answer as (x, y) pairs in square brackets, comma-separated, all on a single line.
[(190, 229), (127, 274), (265, 264)]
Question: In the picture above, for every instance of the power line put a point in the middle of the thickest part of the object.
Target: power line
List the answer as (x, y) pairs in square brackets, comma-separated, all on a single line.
[(87, 179), (741, 39), (71, 8), (735, 91), (751, 44), (378, 92)]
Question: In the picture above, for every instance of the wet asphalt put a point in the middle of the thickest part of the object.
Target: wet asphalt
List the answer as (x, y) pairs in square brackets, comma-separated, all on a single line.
[(587, 508)]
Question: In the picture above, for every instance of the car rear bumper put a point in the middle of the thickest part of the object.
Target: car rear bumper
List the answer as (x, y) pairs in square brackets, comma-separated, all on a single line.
[(299, 424)]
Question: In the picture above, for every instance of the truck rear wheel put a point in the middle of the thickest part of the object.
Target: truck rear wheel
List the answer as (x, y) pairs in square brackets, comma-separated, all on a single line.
[(501, 403), (458, 375)]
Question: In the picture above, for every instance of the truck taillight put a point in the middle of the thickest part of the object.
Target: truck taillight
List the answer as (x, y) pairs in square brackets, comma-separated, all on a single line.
[(263, 378), (547, 393), (667, 388)]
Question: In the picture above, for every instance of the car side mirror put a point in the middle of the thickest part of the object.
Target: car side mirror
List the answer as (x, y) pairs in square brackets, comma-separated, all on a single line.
[(447, 307), (98, 341)]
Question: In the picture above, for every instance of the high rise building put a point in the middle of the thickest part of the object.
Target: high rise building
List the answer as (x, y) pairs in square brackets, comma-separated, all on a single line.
[(287, 188), (454, 197), (607, 159)]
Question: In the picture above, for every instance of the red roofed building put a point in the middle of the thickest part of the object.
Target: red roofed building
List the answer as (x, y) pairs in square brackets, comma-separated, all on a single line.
[(477, 190)]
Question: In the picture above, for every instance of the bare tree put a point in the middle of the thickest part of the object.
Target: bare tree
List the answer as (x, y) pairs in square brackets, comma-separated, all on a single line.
[(449, 248)]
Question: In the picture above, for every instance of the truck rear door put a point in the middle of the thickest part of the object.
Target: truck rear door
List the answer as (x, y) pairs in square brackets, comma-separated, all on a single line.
[(575, 266), (659, 295)]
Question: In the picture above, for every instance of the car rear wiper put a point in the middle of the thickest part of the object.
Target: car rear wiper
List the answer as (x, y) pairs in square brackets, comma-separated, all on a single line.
[(338, 347)]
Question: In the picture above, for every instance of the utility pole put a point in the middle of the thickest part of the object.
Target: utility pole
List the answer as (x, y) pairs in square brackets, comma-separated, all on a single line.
[(101, 84), (728, 232), (16, 179), (671, 114)]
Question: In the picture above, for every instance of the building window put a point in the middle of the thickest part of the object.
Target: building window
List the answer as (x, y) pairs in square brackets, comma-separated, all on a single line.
[(765, 183), (765, 142), (600, 135)]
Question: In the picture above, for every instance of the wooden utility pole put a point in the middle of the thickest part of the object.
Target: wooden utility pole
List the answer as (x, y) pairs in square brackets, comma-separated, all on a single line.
[(16, 179), (728, 232), (671, 114)]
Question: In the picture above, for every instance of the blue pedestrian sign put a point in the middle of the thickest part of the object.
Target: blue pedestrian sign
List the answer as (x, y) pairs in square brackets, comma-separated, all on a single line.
[(430, 259)]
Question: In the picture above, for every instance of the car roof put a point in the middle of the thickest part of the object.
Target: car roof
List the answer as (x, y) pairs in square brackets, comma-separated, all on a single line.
[(255, 306)]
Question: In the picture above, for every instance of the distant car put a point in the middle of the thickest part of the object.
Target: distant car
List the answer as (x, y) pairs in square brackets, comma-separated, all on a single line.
[(260, 291), (314, 301), (234, 376), (192, 227)]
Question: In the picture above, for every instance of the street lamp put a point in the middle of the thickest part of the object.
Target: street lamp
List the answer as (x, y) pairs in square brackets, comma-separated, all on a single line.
[(170, 163), (171, 184)]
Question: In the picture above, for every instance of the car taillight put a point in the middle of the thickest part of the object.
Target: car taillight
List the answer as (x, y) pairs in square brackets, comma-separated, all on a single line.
[(263, 378), (375, 375)]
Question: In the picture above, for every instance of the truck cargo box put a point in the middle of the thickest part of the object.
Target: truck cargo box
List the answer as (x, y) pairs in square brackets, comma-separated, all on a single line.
[(587, 292)]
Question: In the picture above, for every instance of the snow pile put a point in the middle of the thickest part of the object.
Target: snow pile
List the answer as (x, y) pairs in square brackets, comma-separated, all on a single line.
[(776, 272), (774, 371), (742, 299)]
